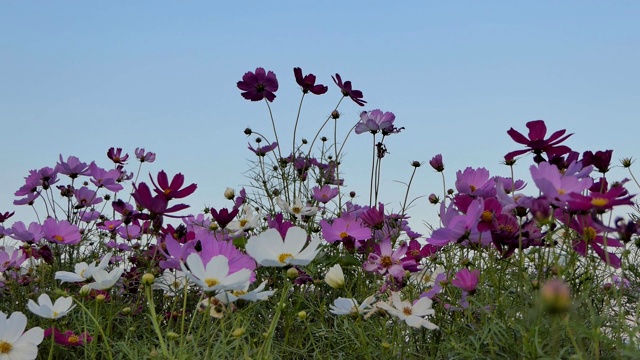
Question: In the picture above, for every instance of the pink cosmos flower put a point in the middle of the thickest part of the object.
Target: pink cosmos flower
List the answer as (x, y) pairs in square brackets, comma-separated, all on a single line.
[(385, 260), (436, 163), (61, 232), (344, 227), (460, 228), (308, 83), (72, 167), (259, 85), (31, 235), (537, 144), (116, 156), (475, 182), (466, 280), (324, 194), (375, 121), (86, 197), (589, 235), (104, 178), (263, 150)]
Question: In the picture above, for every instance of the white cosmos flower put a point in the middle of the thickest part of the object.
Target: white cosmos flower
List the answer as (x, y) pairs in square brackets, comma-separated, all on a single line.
[(412, 314), (348, 306), (296, 209), (83, 271), (48, 310), (268, 248), (253, 295), (15, 343), (335, 277), (215, 275), (248, 221), (171, 282), (104, 280)]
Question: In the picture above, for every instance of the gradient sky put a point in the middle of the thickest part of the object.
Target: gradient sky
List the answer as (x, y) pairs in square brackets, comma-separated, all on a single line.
[(79, 77)]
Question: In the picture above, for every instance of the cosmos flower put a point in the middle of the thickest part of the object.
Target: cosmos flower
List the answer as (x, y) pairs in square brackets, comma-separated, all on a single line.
[(68, 338), (335, 277), (44, 308), (83, 271), (537, 144), (347, 90), (15, 343), (269, 249), (215, 274), (259, 85), (413, 314), (349, 306), (308, 83)]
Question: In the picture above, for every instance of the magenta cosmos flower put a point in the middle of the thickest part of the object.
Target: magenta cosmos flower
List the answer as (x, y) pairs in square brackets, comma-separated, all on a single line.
[(68, 338), (347, 90), (172, 190), (385, 260), (589, 235), (308, 83), (61, 232), (116, 156), (343, 228), (258, 85), (537, 144), (466, 280), (324, 194)]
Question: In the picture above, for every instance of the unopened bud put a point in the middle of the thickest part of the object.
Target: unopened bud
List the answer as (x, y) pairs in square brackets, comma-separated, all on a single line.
[(335, 114), (292, 273), (148, 278), (237, 332), (229, 193), (302, 315)]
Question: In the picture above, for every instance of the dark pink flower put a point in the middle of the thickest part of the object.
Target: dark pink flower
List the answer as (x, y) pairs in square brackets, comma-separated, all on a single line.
[(308, 82), (466, 280), (347, 90), (157, 205), (343, 228), (385, 260), (68, 338), (172, 190), (259, 85), (436, 163), (537, 144), (601, 160)]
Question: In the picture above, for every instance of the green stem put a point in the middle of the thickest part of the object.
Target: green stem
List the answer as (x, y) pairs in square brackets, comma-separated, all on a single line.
[(154, 319)]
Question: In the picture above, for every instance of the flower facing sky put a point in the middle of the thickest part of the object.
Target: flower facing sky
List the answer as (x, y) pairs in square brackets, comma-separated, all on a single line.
[(258, 85), (269, 249), (15, 343), (537, 144), (413, 314)]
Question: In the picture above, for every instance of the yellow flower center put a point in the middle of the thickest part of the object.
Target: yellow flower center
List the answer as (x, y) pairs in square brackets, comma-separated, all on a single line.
[(296, 209), (486, 216), (562, 191), (599, 201), (5, 347), (243, 222), (73, 339), (473, 188), (343, 235), (211, 282), (386, 261), (55, 314), (167, 191), (58, 238), (589, 233), (176, 284), (406, 310), (239, 292), (283, 257)]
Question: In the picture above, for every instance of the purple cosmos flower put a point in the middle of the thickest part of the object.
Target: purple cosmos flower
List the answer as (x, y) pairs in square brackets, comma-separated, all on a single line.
[(116, 156), (436, 163), (72, 167), (347, 90), (556, 186), (308, 83), (372, 217), (172, 190), (536, 143), (104, 178), (344, 227), (460, 228), (466, 280), (31, 235), (263, 150), (4, 217), (143, 156), (376, 121), (86, 197), (600, 201), (259, 85), (157, 205), (277, 222), (61, 232), (324, 194), (224, 216)]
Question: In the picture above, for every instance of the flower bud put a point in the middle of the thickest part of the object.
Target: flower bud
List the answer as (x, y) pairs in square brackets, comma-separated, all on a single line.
[(292, 273), (237, 332), (556, 296), (84, 291), (229, 193), (248, 131), (335, 277), (302, 315), (335, 114), (434, 199), (148, 278), (100, 297), (173, 335)]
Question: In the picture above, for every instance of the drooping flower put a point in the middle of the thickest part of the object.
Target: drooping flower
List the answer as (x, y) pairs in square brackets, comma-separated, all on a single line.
[(46, 309), (215, 275), (436, 163), (347, 90), (308, 83), (263, 150), (348, 306), (143, 156), (269, 249), (601, 160), (15, 343), (413, 314), (537, 144), (259, 85)]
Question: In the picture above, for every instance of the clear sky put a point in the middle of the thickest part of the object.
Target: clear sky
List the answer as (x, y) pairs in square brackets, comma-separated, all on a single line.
[(78, 77)]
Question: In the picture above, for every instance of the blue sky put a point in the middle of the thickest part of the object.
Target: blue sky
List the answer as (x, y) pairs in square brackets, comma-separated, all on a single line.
[(79, 77)]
